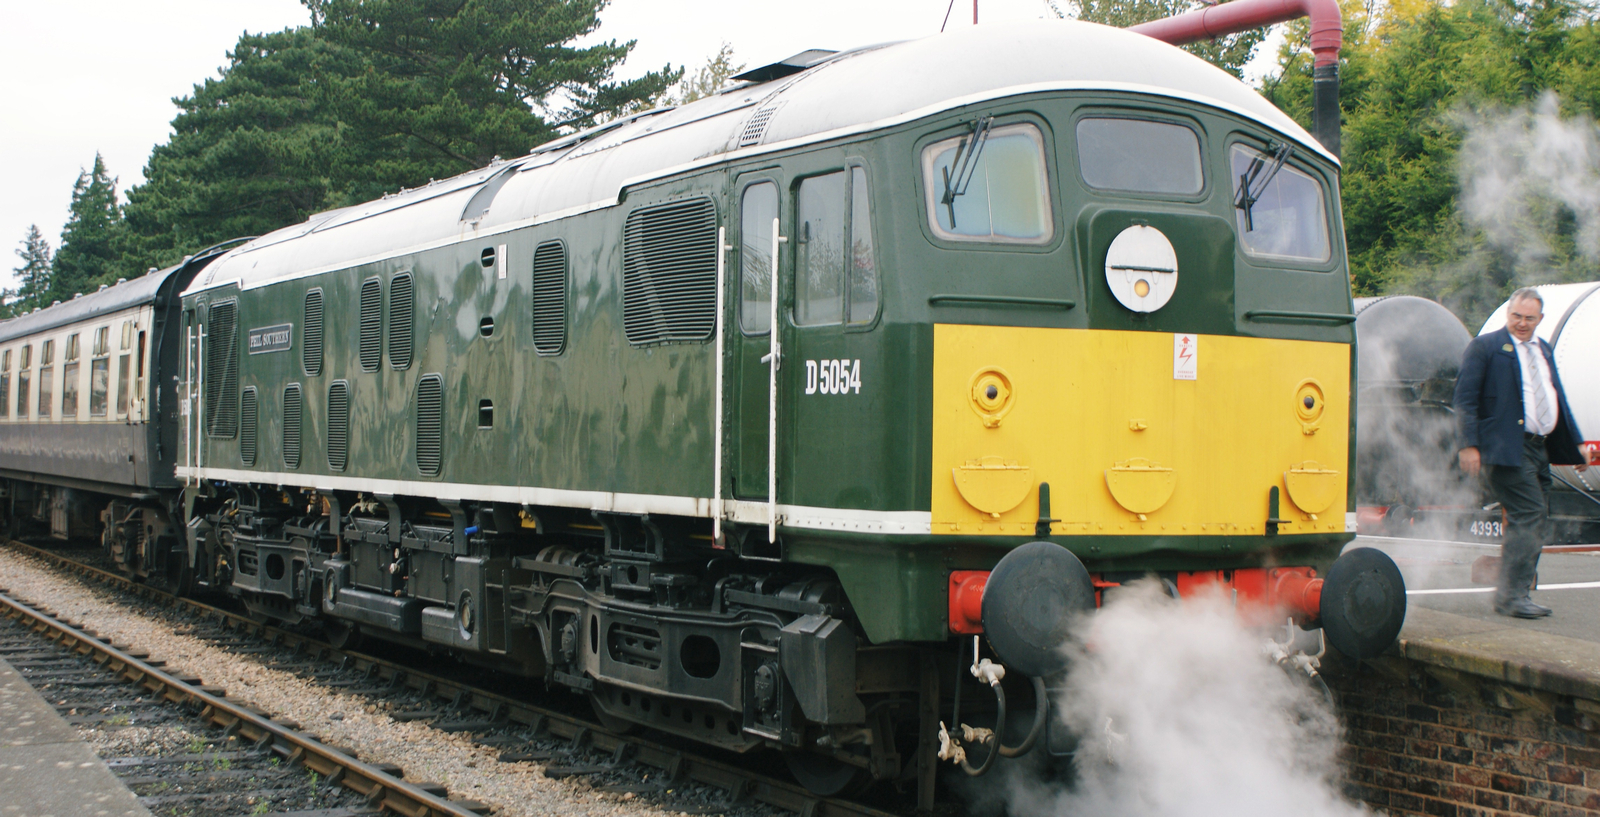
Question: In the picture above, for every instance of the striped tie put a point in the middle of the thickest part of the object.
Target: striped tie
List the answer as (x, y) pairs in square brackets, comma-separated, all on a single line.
[(1541, 404)]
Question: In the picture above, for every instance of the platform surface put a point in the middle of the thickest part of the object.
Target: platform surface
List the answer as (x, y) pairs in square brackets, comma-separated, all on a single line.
[(46, 770), (1450, 619)]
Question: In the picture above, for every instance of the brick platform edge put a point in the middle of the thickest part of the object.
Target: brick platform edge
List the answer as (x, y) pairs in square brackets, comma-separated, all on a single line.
[(1466, 718)]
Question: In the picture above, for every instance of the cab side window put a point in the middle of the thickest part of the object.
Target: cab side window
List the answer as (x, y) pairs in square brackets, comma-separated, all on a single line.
[(836, 278), (989, 185)]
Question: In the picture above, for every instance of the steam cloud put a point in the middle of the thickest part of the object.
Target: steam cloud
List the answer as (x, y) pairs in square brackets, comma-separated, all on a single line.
[(1181, 715), (1529, 208), (1519, 168)]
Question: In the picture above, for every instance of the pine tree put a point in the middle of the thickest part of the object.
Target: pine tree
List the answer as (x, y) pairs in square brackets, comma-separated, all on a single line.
[(88, 255), (33, 277), (368, 99)]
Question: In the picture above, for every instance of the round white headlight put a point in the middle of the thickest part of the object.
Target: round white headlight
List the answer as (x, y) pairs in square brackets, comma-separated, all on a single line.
[(1142, 268)]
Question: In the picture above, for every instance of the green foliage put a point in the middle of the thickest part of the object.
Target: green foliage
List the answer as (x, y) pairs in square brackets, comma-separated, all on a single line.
[(373, 97), (33, 277), (1412, 92), (1229, 53), (90, 243), (716, 73)]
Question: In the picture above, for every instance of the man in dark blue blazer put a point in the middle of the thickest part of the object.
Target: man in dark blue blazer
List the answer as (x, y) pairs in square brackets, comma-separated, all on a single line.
[(1513, 420)]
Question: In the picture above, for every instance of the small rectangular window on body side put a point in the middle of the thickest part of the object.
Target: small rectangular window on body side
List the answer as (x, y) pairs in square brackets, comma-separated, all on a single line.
[(5, 383), (47, 376), (99, 385), (123, 385)]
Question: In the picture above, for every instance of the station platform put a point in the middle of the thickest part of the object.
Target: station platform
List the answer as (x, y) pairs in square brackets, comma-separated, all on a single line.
[(46, 770), (1451, 623)]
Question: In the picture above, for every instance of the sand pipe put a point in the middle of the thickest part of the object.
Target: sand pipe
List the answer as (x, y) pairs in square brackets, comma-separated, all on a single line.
[(1327, 35)]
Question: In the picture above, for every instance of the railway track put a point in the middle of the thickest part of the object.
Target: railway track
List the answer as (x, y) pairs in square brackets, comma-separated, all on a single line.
[(567, 744)]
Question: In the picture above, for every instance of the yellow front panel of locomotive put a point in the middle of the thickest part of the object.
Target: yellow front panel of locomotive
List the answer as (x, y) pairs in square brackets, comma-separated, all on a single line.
[(1128, 444)]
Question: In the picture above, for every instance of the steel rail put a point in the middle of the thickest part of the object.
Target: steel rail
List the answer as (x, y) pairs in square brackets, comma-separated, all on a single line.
[(678, 765), (381, 787)]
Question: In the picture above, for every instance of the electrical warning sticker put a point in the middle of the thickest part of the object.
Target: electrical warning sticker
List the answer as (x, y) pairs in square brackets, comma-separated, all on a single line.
[(1185, 356)]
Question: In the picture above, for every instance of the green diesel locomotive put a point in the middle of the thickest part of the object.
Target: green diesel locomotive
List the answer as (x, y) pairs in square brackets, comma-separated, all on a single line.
[(740, 417)]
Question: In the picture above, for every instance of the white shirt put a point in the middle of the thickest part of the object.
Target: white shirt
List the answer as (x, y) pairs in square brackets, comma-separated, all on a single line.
[(1530, 411)]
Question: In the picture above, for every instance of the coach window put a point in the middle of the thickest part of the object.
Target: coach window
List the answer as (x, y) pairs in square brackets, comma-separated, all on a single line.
[(47, 354), (69, 378), (123, 368), (1280, 210), (758, 208), (5, 383), (24, 360), (989, 185), (1139, 156), (100, 372), (835, 272)]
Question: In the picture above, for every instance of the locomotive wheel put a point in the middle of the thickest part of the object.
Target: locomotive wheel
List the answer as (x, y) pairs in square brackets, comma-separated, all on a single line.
[(612, 723), (827, 776), (1363, 603), (343, 635)]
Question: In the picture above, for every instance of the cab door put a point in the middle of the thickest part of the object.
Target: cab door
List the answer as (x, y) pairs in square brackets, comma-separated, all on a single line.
[(757, 264)]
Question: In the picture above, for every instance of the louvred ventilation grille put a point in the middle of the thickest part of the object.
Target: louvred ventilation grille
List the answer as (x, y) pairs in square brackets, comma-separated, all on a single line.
[(669, 273)]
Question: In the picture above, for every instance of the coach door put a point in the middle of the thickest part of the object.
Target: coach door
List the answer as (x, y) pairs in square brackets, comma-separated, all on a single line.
[(755, 265)]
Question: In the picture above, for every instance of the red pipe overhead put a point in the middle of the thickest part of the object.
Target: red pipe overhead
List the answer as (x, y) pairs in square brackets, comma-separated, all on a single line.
[(1327, 26)]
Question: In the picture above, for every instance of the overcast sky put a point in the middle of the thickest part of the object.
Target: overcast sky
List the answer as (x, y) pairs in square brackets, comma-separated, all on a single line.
[(80, 76)]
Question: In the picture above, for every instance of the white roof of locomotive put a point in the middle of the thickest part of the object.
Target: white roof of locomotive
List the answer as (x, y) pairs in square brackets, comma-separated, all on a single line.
[(853, 92)]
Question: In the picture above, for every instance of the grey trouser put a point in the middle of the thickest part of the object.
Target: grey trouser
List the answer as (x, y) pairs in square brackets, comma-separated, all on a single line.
[(1524, 492)]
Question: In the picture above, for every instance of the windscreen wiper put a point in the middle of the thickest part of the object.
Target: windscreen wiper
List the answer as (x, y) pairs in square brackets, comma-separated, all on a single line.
[(964, 165), (1253, 182)]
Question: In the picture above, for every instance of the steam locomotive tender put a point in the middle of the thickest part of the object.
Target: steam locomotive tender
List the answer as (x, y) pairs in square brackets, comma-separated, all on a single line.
[(743, 417)]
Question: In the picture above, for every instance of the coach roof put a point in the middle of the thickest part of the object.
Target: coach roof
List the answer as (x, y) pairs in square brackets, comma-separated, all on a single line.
[(139, 291), (849, 93)]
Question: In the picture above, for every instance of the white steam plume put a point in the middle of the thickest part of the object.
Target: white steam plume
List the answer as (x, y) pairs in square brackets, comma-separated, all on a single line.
[(1181, 715), (1519, 168)]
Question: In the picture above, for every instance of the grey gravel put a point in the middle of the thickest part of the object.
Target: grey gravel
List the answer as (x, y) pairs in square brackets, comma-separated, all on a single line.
[(426, 754)]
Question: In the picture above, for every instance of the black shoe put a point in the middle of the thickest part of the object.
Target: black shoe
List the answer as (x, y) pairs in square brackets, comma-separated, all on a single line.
[(1521, 608), (1543, 610)]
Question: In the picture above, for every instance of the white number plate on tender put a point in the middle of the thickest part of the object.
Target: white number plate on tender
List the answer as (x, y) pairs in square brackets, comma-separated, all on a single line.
[(833, 376)]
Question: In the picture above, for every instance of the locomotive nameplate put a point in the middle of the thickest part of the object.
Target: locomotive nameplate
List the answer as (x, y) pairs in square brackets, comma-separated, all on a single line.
[(266, 339)]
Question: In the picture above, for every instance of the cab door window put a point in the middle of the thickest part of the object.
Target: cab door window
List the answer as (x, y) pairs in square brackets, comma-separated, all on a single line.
[(758, 207), (835, 271)]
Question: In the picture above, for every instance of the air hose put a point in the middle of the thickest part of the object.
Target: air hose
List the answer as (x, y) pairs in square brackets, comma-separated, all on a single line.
[(1041, 711)]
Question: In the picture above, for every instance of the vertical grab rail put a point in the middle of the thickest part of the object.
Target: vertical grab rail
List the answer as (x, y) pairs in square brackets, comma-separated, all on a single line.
[(716, 423), (200, 402), (188, 407), (773, 357)]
